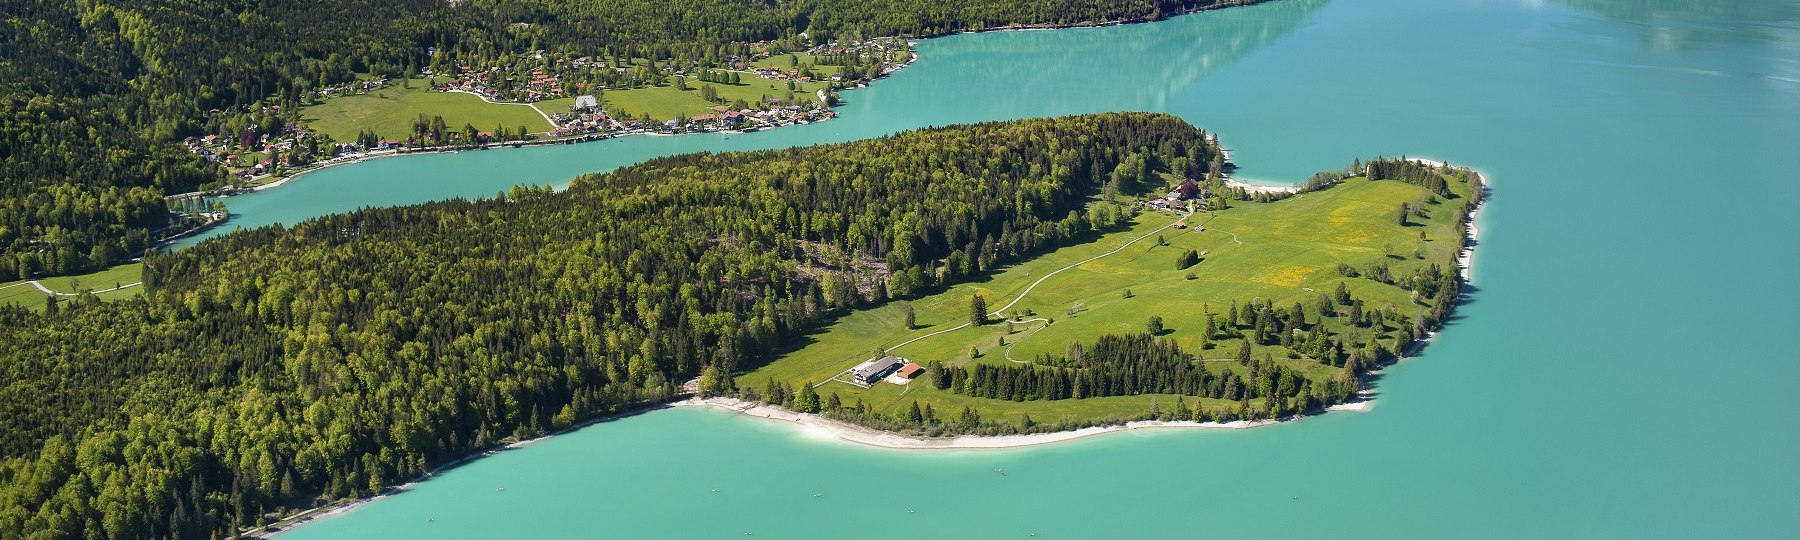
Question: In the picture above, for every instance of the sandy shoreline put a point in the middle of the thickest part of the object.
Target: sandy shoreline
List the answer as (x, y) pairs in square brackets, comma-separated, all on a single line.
[(825, 428), (1465, 259), (1258, 188), (1247, 186), (808, 424)]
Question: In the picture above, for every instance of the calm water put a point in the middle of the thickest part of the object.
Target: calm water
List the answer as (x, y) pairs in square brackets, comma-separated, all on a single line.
[(1620, 371)]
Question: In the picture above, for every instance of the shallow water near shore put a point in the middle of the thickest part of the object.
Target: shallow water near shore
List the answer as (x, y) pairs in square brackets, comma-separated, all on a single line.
[(1619, 370)]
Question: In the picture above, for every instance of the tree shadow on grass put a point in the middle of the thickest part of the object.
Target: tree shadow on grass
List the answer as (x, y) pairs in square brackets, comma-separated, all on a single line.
[(809, 336)]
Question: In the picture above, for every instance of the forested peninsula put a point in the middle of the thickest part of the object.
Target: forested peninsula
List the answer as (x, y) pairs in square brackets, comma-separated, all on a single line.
[(277, 367), (95, 95)]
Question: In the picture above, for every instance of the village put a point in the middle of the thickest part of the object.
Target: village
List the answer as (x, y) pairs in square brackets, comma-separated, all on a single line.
[(579, 99)]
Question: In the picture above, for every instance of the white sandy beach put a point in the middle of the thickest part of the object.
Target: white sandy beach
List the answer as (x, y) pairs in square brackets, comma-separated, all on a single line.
[(1259, 188), (1466, 259), (1249, 187), (832, 429), (825, 428)]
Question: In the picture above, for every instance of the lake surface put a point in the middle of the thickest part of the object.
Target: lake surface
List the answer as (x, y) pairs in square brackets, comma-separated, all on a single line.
[(1619, 372)]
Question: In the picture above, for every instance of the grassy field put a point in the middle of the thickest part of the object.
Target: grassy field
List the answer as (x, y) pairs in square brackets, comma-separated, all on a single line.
[(553, 106), (390, 112), (787, 61), (1286, 251), (665, 102), (22, 293)]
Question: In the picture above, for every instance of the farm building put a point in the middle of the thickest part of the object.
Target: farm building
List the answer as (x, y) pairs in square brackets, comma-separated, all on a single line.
[(872, 371), (910, 370)]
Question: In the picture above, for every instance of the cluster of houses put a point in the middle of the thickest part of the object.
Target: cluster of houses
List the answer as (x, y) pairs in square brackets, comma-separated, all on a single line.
[(790, 74), (358, 86), (279, 148), (584, 117), (533, 78), (1188, 196), (749, 119)]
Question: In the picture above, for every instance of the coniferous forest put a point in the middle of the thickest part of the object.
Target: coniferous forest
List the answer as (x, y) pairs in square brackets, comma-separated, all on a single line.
[(273, 368), (93, 95)]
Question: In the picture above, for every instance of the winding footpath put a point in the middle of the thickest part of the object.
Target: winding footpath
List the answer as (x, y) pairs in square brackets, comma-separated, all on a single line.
[(1027, 291), (1009, 346)]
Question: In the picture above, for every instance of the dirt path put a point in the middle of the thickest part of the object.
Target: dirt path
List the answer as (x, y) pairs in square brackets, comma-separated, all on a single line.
[(1001, 312), (1040, 280), (1009, 346), (532, 105), (47, 290)]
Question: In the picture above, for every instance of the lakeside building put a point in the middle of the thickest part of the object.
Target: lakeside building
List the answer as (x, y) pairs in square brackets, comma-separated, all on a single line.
[(872, 371)]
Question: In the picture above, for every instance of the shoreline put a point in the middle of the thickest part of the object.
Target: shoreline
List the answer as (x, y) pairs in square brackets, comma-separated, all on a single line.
[(340, 506), (847, 433), (1465, 258), (1249, 187), (817, 426), (821, 427), (912, 58), (810, 425)]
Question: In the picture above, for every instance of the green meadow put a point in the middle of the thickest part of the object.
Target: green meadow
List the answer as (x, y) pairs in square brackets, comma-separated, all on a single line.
[(22, 293), (391, 111), (794, 60), (666, 102), (1286, 251)]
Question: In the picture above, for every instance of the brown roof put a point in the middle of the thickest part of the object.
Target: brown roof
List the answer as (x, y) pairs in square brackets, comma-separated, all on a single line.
[(910, 370)]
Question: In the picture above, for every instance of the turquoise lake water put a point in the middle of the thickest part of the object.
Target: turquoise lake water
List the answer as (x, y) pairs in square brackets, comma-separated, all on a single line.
[(1619, 371)]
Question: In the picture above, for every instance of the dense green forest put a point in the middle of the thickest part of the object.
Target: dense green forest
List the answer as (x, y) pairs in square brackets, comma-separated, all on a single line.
[(270, 368), (93, 94)]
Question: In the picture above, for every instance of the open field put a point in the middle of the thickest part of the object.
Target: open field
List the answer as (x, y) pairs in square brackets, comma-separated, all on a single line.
[(665, 102), (390, 112), (788, 61), (553, 106), (1287, 251), (22, 293)]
